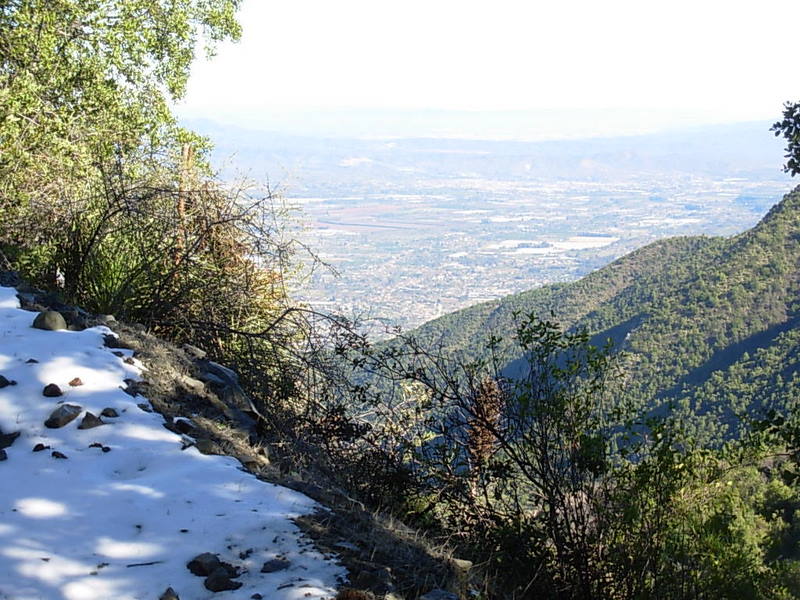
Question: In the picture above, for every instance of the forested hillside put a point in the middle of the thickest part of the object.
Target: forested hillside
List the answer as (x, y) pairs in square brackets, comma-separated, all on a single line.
[(708, 322)]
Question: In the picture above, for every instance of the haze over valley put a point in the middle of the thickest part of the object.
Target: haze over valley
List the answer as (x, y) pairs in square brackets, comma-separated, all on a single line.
[(419, 227)]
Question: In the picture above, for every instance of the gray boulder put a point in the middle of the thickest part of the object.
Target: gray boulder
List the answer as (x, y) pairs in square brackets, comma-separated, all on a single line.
[(206, 563), (220, 581), (62, 415), (6, 439), (90, 421), (49, 320)]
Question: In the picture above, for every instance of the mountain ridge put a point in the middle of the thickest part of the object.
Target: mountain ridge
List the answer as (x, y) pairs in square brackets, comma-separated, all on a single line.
[(680, 310)]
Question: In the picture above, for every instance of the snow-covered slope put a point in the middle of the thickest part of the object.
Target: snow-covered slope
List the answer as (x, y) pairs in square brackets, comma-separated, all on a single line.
[(127, 509)]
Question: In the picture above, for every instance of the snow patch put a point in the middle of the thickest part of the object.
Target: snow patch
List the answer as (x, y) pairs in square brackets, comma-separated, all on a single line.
[(127, 508)]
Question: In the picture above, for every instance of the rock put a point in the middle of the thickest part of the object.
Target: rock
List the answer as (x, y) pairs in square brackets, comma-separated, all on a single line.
[(6, 382), (40, 447), (212, 379), (90, 421), (276, 564), (439, 595), (6, 439), (77, 323), (31, 361), (194, 351), (169, 594), (57, 454), (257, 596), (204, 564), (191, 384), (62, 415), (51, 390), (220, 581), (109, 412), (75, 382), (3, 455), (49, 320), (106, 319), (183, 425), (224, 373), (206, 446)]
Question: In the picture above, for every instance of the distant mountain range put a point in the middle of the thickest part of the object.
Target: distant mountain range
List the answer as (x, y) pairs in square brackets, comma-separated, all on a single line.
[(707, 325), (738, 149)]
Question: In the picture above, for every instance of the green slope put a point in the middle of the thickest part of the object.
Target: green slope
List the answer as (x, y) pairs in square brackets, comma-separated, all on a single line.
[(707, 324)]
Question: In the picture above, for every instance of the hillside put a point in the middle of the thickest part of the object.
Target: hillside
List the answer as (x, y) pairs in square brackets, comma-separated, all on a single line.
[(709, 323)]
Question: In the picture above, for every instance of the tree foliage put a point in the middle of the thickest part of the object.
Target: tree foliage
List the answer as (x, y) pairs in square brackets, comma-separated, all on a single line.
[(85, 83), (789, 128)]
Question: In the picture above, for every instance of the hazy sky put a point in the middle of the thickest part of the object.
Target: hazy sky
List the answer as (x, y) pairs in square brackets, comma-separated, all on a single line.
[(687, 61)]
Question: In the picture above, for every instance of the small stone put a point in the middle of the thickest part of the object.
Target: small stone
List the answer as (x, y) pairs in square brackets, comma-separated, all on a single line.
[(62, 415), (169, 594), (6, 382), (40, 447), (75, 382), (106, 449), (144, 406), (118, 354), (109, 412), (57, 454), (220, 581), (31, 361), (3, 455), (129, 361), (204, 564), (90, 421), (276, 564), (6, 439), (49, 320), (51, 390), (257, 596)]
